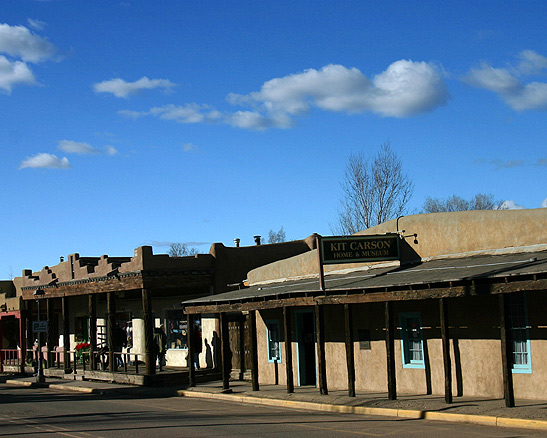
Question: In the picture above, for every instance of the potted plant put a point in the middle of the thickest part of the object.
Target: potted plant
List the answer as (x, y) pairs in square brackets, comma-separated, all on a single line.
[(81, 349)]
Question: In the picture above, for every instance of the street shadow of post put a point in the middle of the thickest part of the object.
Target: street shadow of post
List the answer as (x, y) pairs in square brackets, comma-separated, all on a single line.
[(458, 367), (427, 366)]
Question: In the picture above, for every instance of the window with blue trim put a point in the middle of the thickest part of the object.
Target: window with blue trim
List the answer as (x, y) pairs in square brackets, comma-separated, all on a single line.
[(274, 341), (519, 334), (412, 346)]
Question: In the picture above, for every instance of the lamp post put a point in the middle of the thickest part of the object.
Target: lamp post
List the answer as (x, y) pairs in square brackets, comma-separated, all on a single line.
[(38, 293)]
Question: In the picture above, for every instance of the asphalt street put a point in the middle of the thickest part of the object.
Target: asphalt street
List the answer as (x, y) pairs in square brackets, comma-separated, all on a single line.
[(37, 412)]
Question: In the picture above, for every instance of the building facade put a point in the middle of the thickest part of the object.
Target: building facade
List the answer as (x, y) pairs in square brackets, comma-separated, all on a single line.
[(103, 310), (461, 313)]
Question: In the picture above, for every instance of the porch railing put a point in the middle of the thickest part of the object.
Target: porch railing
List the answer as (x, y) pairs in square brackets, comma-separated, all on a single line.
[(131, 363), (11, 357), (126, 362)]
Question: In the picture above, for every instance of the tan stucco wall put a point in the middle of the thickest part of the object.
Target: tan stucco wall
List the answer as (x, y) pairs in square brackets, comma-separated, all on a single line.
[(466, 231), (475, 349), (438, 234), (370, 365), (335, 347), (266, 371)]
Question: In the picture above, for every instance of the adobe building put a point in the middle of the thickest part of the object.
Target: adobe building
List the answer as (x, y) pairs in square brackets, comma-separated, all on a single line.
[(12, 324), (459, 310), (88, 301)]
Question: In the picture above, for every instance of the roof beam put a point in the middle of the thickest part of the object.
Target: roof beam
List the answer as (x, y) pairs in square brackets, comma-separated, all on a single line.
[(363, 296)]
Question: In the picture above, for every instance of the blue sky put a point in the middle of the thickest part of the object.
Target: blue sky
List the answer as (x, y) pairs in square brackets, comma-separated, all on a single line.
[(143, 123)]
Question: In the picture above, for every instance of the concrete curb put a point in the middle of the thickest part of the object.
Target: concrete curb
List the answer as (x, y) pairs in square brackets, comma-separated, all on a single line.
[(22, 383), (65, 387), (77, 389), (485, 420)]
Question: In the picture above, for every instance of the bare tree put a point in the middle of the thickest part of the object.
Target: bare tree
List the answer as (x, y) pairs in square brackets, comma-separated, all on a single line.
[(178, 249), (481, 201), (374, 191), (277, 236)]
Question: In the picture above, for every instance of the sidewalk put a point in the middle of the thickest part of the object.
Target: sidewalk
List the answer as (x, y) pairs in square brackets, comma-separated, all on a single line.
[(527, 414)]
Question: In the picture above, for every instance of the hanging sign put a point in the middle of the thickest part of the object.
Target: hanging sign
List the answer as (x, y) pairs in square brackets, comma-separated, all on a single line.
[(39, 326), (356, 249)]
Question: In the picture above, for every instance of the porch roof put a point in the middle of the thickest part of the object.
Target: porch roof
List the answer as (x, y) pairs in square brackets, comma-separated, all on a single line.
[(475, 274)]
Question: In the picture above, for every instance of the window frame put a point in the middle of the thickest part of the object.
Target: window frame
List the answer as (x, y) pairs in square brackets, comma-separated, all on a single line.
[(276, 323), (405, 341), (523, 330)]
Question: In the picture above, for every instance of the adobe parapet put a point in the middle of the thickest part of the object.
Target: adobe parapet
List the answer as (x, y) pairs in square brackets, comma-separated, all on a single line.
[(434, 235), (77, 268), (233, 263)]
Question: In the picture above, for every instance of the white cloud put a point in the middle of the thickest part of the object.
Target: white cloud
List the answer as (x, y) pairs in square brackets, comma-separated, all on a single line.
[(510, 205), (333, 88), (500, 164), (120, 88), (45, 161), (80, 148), (14, 73), (20, 42), (188, 147), (189, 113), (531, 63), (36, 24), (249, 120), (130, 114), (111, 150), (405, 89), (505, 82), (194, 113), (74, 147), (544, 203)]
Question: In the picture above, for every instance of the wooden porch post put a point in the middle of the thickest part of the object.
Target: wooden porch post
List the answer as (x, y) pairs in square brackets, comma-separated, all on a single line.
[(23, 335), (320, 339), (66, 335), (50, 341), (111, 328), (28, 331), (191, 349), (390, 352), (242, 364), (350, 359), (288, 348), (149, 354), (92, 303), (506, 353), (225, 351), (1, 342), (254, 350), (443, 311)]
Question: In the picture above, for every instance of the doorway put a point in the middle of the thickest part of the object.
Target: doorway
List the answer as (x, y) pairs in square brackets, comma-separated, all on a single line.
[(240, 345), (305, 339)]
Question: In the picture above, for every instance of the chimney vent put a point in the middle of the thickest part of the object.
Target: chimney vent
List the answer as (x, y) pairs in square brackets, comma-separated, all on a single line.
[(257, 240), (236, 241)]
